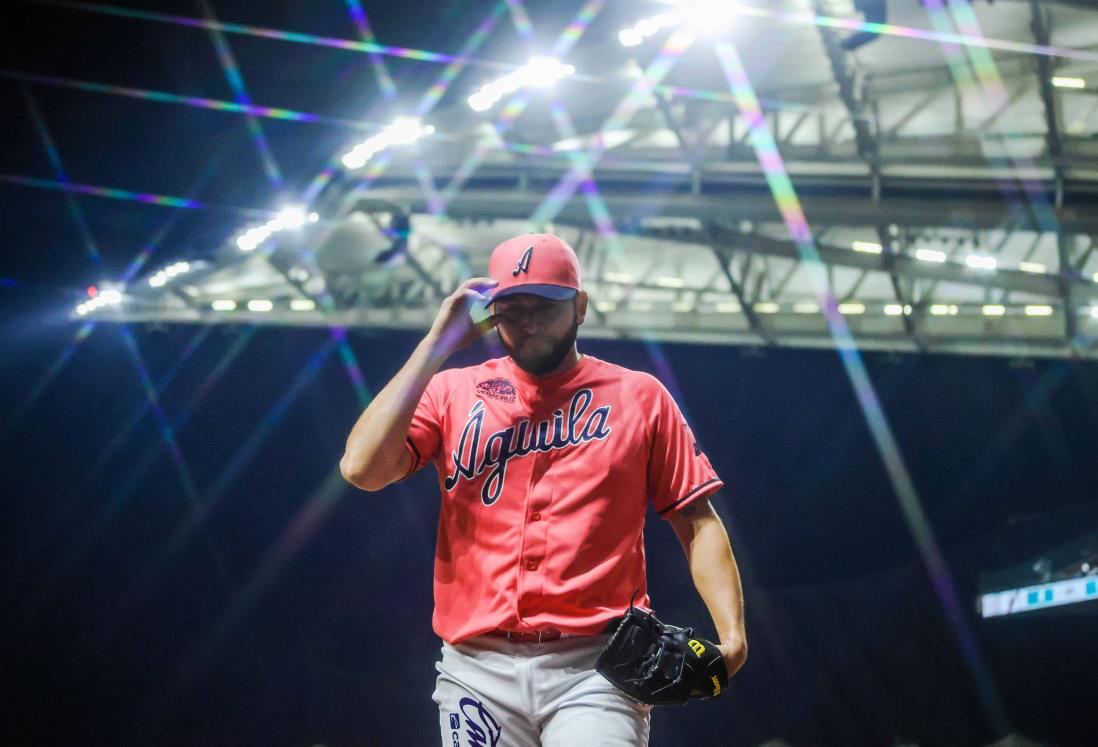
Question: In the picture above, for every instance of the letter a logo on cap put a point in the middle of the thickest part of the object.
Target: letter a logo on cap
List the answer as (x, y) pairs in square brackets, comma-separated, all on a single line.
[(524, 262)]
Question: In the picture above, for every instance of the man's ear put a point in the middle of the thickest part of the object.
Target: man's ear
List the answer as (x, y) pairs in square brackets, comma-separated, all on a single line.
[(581, 306)]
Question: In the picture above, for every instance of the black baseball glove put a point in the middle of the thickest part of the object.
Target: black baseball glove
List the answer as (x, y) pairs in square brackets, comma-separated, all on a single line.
[(661, 664)]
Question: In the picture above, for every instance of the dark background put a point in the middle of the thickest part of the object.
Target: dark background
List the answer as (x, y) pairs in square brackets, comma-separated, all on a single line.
[(122, 635), (195, 572)]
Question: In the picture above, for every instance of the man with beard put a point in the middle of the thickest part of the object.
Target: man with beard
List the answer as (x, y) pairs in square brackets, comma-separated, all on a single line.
[(547, 460)]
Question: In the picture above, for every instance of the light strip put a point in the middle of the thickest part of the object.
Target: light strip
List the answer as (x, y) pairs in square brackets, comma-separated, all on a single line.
[(930, 255), (867, 247), (1026, 598), (1062, 82), (403, 131), (981, 262), (539, 72)]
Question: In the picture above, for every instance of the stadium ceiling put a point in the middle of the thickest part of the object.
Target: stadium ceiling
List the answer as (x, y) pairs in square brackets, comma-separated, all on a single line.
[(923, 174)]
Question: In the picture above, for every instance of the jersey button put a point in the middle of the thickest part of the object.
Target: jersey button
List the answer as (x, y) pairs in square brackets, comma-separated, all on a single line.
[(536, 516), (531, 565)]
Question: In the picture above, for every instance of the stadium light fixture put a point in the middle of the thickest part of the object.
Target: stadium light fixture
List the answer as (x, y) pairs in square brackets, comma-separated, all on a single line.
[(1034, 267), (287, 219), (994, 309), (944, 309), (107, 297), (930, 255), (303, 304), (806, 307), (981, 262), (403, 131), (539, 72), (868, 247), (766, 307), (1039, 310), (849, 309), (1067, 82), (701, 17)]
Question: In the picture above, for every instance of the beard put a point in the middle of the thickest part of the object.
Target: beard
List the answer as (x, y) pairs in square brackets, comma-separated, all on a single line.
[(541, 363)]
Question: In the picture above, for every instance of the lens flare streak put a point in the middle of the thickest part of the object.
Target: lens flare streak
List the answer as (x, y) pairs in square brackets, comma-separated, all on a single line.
[(198, 102), (781, 187)]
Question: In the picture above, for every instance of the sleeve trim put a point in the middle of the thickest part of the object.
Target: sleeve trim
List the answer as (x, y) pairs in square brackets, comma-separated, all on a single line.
[(416, 459), (689, 495)]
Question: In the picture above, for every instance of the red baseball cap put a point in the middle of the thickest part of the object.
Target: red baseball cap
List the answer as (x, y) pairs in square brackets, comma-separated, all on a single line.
[(537, 263)]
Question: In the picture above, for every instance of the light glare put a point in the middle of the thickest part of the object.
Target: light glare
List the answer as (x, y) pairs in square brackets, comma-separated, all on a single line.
[(981, 262), (930, 255), (866, 246), (1066, 82)]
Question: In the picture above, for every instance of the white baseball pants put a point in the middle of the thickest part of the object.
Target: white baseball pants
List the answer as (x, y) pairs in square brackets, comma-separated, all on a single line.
[(495, 692)]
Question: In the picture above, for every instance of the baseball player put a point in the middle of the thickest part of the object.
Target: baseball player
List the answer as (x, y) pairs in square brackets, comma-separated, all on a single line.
[(547, 460)]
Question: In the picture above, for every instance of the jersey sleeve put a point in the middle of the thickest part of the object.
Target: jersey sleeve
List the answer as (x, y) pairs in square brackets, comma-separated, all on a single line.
[(424, 439), (679, 473)]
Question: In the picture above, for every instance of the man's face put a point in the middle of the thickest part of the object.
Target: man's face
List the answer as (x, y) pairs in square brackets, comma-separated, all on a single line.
[(537, 333)]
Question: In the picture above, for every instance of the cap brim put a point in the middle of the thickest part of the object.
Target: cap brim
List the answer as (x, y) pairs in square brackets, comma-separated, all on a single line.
[(552, 292)]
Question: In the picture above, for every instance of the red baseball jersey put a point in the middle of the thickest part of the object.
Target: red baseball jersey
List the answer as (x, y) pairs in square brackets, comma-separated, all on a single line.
[(545, 484)]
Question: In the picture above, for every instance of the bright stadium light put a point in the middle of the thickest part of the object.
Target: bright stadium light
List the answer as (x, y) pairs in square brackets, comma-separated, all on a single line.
[(930, 255), (539, 72), (702, 17), (851, 308), (606, 306), (944, 309), (303, 304), (981, 262), (1094, 312), (994, 309), (728, 307), (766, 307), (1034, 267), (707, 17), (1065, 82), (403, 131), (289, 218), (670, 282), (806, 307), (292, 217), (868, 247), (260, 304), (1039, 310), (223, 304)]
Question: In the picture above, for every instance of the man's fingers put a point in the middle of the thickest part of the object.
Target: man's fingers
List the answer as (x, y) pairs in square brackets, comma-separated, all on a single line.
[(478, 284)]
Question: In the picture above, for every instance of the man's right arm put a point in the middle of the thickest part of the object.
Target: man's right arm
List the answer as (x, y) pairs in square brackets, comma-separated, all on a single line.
[(375, 455)]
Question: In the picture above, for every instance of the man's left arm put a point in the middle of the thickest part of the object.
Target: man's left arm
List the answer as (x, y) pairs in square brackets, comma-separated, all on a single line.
[(716, 576)]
